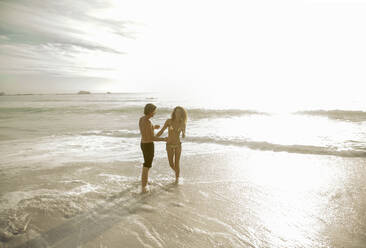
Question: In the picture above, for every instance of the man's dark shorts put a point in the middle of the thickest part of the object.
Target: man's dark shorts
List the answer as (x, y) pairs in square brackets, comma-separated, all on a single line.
[(148, 152)]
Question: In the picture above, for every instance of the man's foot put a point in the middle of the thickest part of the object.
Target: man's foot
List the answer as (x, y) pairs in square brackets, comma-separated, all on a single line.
[(176, 180), (144, 190)]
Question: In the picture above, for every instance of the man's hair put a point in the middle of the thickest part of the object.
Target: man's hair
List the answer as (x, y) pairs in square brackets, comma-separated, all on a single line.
[(149, 108)]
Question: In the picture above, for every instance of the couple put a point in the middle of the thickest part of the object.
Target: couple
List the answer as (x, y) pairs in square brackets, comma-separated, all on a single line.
[(176, 126)]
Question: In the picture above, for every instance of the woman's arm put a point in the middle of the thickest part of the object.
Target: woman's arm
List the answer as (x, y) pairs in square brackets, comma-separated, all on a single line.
[(184, 131), (154, 137), (159, 139), (147, 131), (163, 129)]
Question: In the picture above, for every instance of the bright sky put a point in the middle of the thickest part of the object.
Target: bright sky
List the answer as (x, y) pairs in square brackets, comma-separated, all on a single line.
[(263, 49)]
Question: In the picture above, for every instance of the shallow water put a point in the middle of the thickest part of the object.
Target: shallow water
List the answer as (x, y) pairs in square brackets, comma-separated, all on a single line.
[(227, 199)]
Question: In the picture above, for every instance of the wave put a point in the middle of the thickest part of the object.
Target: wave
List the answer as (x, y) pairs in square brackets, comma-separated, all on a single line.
[(194, 113), (355, 151), (25, 110), (266, 146), (113, 133), (96, 100), (347, 115)]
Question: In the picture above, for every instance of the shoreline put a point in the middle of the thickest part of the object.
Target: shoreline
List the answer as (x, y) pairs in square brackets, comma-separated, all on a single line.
[(108, 194)]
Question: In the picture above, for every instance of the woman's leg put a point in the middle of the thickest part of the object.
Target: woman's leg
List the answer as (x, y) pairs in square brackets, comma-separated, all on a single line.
[(170, 153), (178, 151)]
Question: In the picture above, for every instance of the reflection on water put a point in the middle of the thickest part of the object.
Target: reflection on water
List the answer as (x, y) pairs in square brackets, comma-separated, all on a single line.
[(301, 201), (285, 129)]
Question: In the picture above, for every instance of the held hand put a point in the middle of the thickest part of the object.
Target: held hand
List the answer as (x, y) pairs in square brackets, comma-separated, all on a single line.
[(166, 139), (156, 126)]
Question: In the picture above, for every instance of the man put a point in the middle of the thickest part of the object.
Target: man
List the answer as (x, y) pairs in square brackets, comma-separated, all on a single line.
[(147, 141)]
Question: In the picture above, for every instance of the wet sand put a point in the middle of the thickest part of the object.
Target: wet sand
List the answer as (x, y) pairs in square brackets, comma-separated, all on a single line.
[(236, 198)]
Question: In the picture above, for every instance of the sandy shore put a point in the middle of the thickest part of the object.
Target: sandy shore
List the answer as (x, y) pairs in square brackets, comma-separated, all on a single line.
[(236, 198)]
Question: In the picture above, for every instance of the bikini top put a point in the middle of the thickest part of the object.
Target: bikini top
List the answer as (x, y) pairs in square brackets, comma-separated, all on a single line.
[(174, 129)]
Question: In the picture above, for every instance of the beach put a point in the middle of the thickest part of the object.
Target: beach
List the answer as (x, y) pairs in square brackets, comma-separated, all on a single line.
[(70, 176)]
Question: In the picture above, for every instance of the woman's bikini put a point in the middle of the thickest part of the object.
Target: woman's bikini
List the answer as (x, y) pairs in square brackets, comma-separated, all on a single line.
[(174, 146)]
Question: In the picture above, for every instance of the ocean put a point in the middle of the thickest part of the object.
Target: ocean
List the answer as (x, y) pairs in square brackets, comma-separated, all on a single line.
[(252, 176)]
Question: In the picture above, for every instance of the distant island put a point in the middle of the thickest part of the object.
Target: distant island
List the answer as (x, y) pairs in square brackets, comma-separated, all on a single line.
[(83, 92), (2, 94), (108, 92)]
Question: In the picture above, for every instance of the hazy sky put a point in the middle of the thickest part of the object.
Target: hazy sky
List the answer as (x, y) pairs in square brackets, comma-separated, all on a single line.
[(262, 48)]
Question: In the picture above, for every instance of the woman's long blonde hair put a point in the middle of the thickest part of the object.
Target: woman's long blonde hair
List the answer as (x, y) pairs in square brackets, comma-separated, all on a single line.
[(184, 119)]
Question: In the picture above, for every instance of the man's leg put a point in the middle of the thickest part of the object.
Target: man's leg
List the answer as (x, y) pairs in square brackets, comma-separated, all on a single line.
[(144, 178), (148, 151)]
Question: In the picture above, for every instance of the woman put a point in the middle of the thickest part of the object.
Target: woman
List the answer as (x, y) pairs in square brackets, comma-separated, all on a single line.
[(176, 126)]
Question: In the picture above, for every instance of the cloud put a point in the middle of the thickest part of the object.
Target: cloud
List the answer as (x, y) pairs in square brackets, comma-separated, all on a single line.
[(58, 37), (258, 49), (4, 37)]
